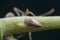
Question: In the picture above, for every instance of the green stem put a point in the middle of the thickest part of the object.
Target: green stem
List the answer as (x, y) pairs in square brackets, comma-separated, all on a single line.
[(16, 24), (11, 38)]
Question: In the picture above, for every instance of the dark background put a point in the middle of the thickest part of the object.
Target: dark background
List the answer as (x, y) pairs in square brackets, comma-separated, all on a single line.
[(38, 7)]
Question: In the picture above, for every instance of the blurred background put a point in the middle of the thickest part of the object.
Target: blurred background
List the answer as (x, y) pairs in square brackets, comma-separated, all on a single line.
[(38, 7)]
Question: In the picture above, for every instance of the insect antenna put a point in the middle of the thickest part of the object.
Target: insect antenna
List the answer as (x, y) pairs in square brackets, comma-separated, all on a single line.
[(48, 12)]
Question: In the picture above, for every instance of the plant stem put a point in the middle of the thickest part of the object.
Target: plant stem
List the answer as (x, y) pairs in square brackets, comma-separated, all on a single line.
[(11, 38), (15, 25)]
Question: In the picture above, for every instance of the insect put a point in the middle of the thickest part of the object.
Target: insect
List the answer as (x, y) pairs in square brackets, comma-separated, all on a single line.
[(28, 21)]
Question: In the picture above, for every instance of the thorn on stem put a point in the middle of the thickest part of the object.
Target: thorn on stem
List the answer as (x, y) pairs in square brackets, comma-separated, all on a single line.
[(9, 14), (32, 22)]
